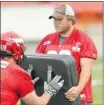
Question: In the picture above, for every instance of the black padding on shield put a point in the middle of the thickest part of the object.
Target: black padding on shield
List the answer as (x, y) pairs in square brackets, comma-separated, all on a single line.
[(63, 65)]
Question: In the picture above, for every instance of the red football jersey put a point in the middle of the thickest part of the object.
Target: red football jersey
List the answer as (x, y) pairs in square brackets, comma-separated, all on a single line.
[(78, 45), (15, 83)]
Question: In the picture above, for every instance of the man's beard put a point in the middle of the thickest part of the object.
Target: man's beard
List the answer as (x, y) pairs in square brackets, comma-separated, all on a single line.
[(63, 30)]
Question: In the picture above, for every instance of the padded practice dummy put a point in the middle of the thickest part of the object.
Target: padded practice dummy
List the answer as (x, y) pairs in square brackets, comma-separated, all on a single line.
[(63, 65)]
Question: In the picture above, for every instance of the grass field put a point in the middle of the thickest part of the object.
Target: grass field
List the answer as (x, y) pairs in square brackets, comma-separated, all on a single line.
[(96, 83)]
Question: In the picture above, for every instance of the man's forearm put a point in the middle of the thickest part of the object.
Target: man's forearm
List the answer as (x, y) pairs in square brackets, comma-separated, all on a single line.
[(33, 99), (45, 98), (86, 69), (84, 78)]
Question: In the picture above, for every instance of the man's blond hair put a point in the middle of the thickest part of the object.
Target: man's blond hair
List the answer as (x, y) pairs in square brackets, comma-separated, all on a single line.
[(72, 18)]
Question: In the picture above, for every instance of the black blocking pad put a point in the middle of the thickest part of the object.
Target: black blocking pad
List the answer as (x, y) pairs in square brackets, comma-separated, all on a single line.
[(63, 65)]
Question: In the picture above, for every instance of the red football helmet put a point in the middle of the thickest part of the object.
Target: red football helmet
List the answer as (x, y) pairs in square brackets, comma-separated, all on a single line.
[(12, 44)]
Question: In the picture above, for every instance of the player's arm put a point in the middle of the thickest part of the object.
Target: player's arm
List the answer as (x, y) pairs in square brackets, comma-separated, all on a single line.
[(32, 99), (86, 69), (28, 94), (88, 54)]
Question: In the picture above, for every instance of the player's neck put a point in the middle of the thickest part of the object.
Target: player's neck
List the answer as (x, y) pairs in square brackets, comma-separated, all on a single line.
[(11, 60), (66, 34)]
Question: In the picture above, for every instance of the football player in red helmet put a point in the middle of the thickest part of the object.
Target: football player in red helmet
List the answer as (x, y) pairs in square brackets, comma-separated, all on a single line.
[(12, 44), (15, 82)]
